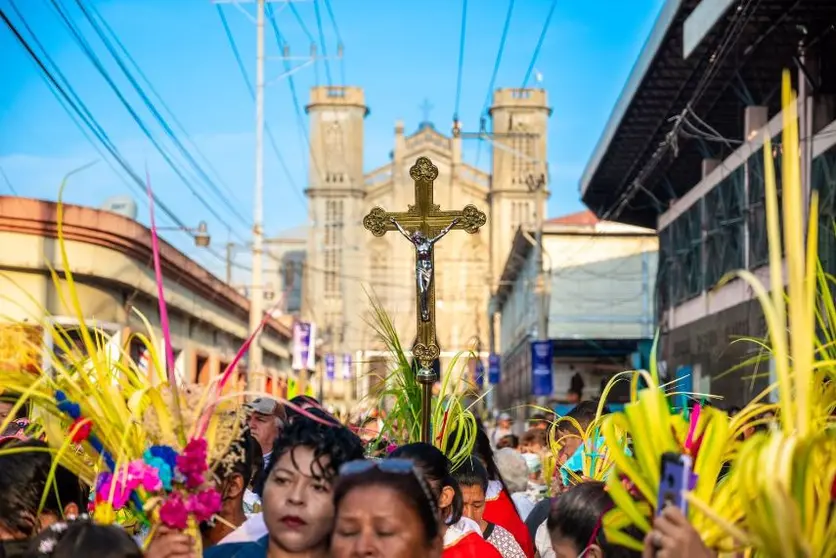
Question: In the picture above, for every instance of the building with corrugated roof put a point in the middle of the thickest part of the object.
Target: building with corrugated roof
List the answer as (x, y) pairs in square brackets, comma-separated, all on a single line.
[(683, 153)]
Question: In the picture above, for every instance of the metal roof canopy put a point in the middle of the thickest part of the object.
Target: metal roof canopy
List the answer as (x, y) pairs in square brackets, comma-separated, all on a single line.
[(662, 83)]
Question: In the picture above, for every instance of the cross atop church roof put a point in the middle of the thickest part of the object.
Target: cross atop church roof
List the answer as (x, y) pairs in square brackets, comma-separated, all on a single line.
[(426, 107)]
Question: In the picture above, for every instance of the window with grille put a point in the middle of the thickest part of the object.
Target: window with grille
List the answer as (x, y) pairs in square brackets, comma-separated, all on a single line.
[(333, 248), (522, 158), (756, 210), (823, 178), (686, 277), (724, 245)]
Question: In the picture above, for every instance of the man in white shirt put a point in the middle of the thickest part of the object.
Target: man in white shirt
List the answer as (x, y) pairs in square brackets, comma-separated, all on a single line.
[(266, 419)]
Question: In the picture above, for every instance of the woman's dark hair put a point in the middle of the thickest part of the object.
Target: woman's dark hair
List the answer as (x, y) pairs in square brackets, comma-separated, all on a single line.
[(83, 538), (244, 458), (578, 514), (471, 472), (305, 402), (407, 485), (508, 441), (435, 467), (332, 445), (23, 482)]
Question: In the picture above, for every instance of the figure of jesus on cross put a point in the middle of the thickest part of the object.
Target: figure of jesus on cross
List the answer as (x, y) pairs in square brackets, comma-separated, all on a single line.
[(424, 224), (424, 270)]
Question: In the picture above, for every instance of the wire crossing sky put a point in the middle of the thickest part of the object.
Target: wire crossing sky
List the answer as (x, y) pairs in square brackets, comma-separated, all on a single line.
[(160, 87)]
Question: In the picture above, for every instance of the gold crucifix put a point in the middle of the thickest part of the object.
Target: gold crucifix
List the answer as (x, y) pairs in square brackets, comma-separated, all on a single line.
[(424, 224)]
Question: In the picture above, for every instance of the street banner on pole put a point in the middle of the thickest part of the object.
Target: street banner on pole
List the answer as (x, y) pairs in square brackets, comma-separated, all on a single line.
[(541, 368), (330, 365), (346, 372), (493, 369), (304, 346), (479, 372)]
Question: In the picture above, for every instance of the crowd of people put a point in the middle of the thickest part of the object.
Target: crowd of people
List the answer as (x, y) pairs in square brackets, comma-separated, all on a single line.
[(301, 484)]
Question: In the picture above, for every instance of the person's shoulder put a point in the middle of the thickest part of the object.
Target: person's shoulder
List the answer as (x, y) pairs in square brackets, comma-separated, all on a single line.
[(255, 549)]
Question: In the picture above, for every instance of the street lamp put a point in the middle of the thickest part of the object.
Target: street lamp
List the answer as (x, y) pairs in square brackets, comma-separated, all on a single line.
[(200, 233), (201, 237)]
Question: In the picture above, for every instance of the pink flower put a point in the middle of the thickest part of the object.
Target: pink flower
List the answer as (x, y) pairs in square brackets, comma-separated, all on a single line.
[(194, 480), (205, 504), (193, 459), (142, 474), (174, 513), (121, 492)]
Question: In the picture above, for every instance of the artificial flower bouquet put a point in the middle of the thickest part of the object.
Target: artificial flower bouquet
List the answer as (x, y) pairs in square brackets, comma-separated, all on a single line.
[(173, 487), (159, 485)]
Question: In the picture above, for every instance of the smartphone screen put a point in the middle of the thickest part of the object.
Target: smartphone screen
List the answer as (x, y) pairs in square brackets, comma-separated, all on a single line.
[(674, 481)]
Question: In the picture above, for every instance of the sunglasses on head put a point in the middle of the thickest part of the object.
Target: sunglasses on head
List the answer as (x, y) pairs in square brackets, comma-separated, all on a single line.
[(390, 466)]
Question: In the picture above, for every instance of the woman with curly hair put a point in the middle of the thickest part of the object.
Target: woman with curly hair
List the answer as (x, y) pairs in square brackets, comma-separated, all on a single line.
[(297, 500)]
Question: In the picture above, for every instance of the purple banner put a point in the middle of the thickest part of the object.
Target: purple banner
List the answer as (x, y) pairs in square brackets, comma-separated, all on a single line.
[(330, 365), (304, 350), (479, 373), (346, 372)]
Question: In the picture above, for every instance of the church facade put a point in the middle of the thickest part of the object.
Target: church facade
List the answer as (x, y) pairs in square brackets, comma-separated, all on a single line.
[(346, 264)]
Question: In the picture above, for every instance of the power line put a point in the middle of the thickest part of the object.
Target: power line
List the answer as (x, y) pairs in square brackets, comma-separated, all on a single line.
[(300, 118), (8, 182), (729, 39), (271, 138), (91, 56), (462, 41), (340, 43), (499, 53), (322, 42), (72, 103), (492, 82), (222, 198), (305, 30), (161, 101), (539, 44)]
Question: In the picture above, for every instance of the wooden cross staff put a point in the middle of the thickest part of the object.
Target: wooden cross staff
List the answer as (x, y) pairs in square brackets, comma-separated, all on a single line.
[(424, 224)]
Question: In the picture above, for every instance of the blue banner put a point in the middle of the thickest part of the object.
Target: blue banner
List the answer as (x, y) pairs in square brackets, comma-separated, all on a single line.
[(330, 362), (541, 368), (479, 372), (493, 369)]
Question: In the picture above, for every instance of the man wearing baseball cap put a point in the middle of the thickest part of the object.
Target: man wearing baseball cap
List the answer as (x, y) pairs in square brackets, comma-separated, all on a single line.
[(266, 419)]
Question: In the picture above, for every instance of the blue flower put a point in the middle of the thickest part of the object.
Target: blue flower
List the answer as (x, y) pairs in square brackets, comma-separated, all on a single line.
[(73, 410), (164, 472), (167, 454)]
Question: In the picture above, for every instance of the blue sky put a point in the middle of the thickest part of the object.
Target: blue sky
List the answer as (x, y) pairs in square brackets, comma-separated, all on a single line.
[(401, 52)]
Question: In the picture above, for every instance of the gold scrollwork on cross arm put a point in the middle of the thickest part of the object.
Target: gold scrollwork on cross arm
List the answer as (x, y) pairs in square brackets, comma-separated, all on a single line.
[(426, 353), (472, 219), (423, 170), (376, 221)]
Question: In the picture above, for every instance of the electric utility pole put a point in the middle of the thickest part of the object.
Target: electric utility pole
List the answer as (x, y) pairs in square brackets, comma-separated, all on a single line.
[(255, 357), (536, 184)]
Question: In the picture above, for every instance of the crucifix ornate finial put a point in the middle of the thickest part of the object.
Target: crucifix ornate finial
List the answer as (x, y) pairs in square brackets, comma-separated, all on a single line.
[(424, 224)]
